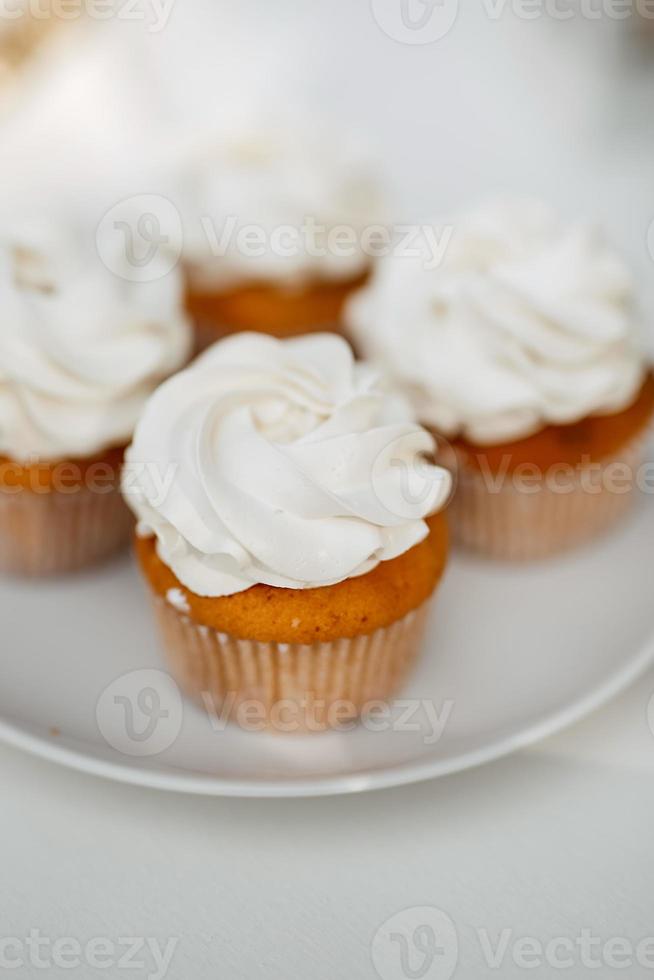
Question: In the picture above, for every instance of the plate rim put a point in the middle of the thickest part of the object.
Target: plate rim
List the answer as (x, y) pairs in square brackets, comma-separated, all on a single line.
[(404, 774)]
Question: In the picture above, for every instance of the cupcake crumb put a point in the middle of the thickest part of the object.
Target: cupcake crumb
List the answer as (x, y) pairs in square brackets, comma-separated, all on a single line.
[(55, 732), (295, 623), (177, 600)]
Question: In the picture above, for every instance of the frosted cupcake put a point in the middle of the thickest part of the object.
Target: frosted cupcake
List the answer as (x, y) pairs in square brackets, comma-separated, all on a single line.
[(290, 559), (80, 352), (273, 222), (521, 349)]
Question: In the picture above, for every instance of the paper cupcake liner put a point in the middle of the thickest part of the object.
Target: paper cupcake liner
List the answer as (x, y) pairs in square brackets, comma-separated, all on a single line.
[(208, 333), (508, 523), (288, 687), (53, 533)]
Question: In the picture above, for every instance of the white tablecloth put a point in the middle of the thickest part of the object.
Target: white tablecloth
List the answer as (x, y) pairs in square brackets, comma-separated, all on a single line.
[(547, 843)]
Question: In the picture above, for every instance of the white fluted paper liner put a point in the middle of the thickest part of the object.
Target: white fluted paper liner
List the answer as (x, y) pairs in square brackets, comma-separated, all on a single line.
[(54, 533), (290, 687), (507, 523)]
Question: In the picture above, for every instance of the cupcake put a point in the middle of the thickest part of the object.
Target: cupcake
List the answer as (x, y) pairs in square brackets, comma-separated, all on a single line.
[(80, 353), (521, 350), (293, 555), (273, 231)]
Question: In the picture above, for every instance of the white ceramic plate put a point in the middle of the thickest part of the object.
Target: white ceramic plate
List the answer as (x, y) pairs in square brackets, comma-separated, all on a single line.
[(512, 653)]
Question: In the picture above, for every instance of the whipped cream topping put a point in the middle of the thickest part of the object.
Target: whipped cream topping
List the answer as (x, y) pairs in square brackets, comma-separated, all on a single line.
[(81, 349), (524, 323), (267, 203), (279, 462)]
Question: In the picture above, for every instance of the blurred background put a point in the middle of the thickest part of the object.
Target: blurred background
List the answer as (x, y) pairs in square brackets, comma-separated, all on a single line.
[(98, 97)]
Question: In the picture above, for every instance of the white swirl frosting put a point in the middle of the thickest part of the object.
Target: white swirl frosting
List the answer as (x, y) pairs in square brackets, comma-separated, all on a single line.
[(524, 323), (279, 462), (274, 203), (80, 349)]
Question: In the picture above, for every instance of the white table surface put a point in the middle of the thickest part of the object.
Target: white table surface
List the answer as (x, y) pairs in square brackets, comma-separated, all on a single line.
[(547, 843)]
